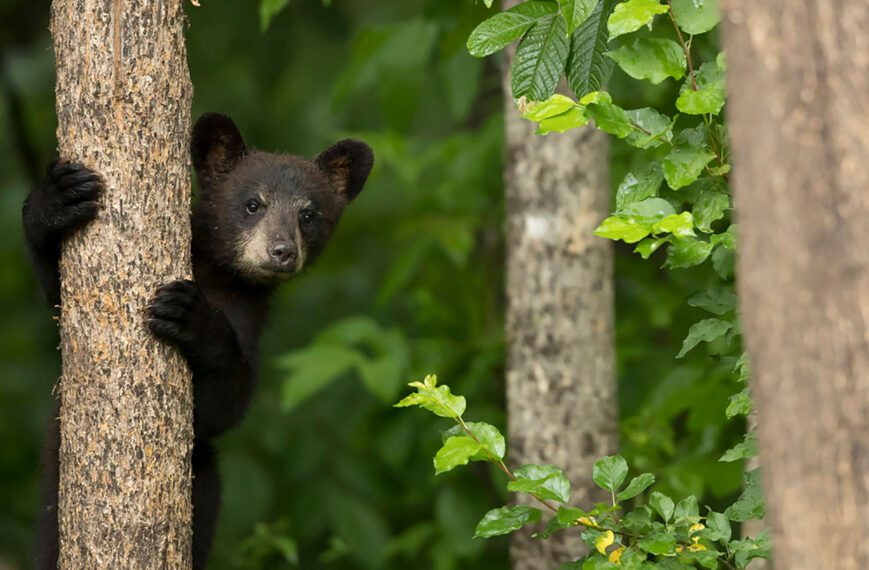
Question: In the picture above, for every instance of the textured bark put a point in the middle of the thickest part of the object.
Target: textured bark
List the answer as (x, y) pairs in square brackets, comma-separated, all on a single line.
[(561, 393), (123, 107), (799, 83)]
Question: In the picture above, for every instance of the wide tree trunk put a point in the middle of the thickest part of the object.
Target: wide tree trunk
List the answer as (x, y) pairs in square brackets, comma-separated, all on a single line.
[(123, 107), (799, 84), (561, 392)]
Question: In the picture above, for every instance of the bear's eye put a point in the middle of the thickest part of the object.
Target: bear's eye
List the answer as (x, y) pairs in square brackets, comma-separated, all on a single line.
[(307, 217), (252, 207)]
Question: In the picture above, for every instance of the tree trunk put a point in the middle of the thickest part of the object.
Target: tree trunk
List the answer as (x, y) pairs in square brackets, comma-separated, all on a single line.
[(123, 107), (799, 83), (561, 392)]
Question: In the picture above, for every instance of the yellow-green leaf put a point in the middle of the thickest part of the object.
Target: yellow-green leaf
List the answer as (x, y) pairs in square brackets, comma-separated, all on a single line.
[(630, 16), (680, 225), (456, 451), (625, 230), (654, 59)]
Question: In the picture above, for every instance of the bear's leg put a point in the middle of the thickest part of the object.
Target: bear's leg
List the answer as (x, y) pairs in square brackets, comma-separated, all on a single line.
[(206, 501), (46, 527)]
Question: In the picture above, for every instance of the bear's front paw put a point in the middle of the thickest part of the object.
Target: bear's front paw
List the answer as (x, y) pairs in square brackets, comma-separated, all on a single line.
[(67, 199), (179, 313)]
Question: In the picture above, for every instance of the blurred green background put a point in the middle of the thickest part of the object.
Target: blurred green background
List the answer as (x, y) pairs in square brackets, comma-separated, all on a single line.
[(323, 471)]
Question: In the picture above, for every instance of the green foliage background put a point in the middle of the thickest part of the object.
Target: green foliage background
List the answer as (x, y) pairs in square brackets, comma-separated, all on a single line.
[(323, 470)]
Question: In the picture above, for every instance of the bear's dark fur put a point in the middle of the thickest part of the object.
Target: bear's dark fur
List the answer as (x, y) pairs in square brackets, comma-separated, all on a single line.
[(261, 218)]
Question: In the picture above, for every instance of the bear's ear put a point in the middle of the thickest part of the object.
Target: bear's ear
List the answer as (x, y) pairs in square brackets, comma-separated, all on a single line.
[(216, 146), (347, 164)]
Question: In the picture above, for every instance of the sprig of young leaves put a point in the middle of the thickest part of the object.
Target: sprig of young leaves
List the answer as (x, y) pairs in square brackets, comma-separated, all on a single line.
[(656, 533), (479, 441)]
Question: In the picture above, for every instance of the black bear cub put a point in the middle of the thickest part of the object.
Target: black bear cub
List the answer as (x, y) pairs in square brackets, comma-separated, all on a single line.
[(260, 219)]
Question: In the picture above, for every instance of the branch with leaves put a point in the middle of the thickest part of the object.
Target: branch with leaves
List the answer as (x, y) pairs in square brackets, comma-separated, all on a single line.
[(657, 533)]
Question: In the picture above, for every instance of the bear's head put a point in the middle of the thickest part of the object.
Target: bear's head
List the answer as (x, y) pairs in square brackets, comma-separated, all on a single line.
[(265, 216)]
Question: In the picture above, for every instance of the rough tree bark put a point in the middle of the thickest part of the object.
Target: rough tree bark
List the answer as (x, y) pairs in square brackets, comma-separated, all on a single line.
[(123, 107), (799, 83), (561, 391)]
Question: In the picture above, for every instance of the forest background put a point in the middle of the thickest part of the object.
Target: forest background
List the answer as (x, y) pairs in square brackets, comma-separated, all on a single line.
[(324, 471)]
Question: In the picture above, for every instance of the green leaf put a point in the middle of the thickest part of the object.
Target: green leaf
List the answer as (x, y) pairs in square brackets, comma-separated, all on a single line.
[(506, 27), (740, 404), (555, 105), (706, 330), (436, 399), (662, 504), (639, 520), (587, 67), (687, 252), (709, 96), (575, 12), (487, 434), (687, 509), (654, 59), (558, 124), (497, 32), (610, 472), (648, 211), (750, 548), (639, 184), (633, 559), (696, 17), (680, 225), (540, 59), (637, 485), (628, 231), (568, 516), (596, 561), (710, 206), (684, 164), (268, 9), (746, 448), (722, 262), (719, 301), (649, 246), (651, 128), (719, 525), (456, 451), (557, 114), (506, 520), (705, 558), (545, 481), (610, 118), (658, 543), (355, 343), (701, 101), (741, 368), (312, 369), (596, 97), (553, 526), (535, 8), (633, 15)]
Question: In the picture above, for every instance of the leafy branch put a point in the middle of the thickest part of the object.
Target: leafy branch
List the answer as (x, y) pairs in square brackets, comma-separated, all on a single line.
[(656, 531)]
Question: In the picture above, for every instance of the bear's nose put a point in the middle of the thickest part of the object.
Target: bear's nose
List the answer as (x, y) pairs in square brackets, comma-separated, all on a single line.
[(282, 253)]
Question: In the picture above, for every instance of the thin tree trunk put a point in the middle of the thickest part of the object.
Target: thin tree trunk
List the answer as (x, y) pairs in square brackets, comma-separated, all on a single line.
[(123, 107), (561, 392), (799, 83)]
